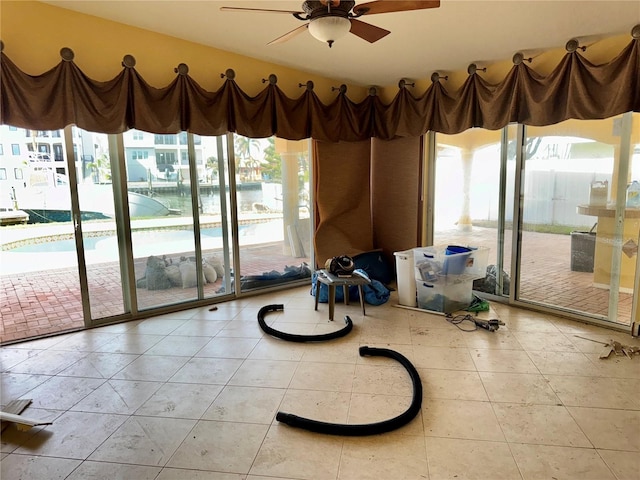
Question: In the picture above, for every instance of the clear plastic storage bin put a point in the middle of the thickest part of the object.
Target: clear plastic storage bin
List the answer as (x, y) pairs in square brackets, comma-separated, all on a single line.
[(444, 296), (431, 264)]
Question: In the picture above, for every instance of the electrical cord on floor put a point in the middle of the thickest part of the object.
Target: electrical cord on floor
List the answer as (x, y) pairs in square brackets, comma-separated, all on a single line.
[(457, 320)]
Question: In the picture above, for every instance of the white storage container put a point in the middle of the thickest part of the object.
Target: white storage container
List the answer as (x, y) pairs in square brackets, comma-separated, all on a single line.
[(444, 296), (405, 278)]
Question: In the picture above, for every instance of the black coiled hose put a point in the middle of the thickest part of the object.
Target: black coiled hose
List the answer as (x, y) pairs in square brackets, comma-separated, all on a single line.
[(368, 428), (293, 337)]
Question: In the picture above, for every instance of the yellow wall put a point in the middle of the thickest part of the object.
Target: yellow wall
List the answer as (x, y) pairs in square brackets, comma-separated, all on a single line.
[(33, 34)]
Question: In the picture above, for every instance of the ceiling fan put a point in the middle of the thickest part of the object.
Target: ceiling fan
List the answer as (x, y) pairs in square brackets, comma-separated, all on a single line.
[(328, 20)]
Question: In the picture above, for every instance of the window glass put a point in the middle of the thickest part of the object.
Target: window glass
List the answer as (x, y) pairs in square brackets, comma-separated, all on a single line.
[(38, 262), (58, 152), (571, 255), (100, 240), (162, 231), (467, 200), (274, 212), (166, 139)]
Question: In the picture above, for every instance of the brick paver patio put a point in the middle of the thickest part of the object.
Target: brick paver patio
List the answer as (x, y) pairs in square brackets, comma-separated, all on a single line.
[(49, 301)]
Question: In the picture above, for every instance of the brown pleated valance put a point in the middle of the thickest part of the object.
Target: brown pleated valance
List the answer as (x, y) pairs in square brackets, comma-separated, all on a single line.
[(64, 95)]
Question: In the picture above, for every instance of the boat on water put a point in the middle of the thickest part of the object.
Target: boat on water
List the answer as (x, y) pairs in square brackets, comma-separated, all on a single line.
[(53, 204), (11, 216)]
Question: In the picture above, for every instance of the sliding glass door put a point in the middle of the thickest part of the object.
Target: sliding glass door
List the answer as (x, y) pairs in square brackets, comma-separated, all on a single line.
[(474, 199), (215, 206), (274, 211), (568, 189), (94, 173), (123, 224), (579, 234), (38, 261), (161, 218), (558, 176)]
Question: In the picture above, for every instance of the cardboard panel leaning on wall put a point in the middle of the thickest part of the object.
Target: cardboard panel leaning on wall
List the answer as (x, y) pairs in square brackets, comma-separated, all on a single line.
[(343, 199), (395, 194)]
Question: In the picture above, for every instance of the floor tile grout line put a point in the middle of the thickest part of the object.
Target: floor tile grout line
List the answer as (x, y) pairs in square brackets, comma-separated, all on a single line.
[(299, 361)]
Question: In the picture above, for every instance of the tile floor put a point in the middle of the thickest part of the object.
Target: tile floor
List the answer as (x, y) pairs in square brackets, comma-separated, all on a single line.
[(193, 395)]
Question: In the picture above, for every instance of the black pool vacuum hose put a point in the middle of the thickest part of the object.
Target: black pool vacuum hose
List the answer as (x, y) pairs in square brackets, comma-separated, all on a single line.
[(293, 337), (365, 428), (340, 428)]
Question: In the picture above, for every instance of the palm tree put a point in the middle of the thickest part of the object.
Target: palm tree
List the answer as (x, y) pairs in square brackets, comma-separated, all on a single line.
[(101, 167), (212, 166), (272, 171), (243, 149)]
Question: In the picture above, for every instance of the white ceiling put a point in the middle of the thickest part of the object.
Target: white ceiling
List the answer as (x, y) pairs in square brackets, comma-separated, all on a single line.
[(448, 38)]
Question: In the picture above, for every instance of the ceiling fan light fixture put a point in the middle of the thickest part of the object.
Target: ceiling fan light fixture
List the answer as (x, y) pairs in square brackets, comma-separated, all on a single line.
[(329, 29)]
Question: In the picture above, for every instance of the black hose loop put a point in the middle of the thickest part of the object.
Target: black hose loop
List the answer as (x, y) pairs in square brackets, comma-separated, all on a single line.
[(367, 428), (293, 337)]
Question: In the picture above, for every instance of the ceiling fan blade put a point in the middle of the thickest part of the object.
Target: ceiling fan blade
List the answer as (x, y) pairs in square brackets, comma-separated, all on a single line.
[(388, 6), (367, 32), (262, 10), (289, 35)]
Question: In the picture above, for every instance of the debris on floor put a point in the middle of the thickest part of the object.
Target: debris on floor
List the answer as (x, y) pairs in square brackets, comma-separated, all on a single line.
[(11, 414), (619, 349), (478, 305), (616, 347)]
